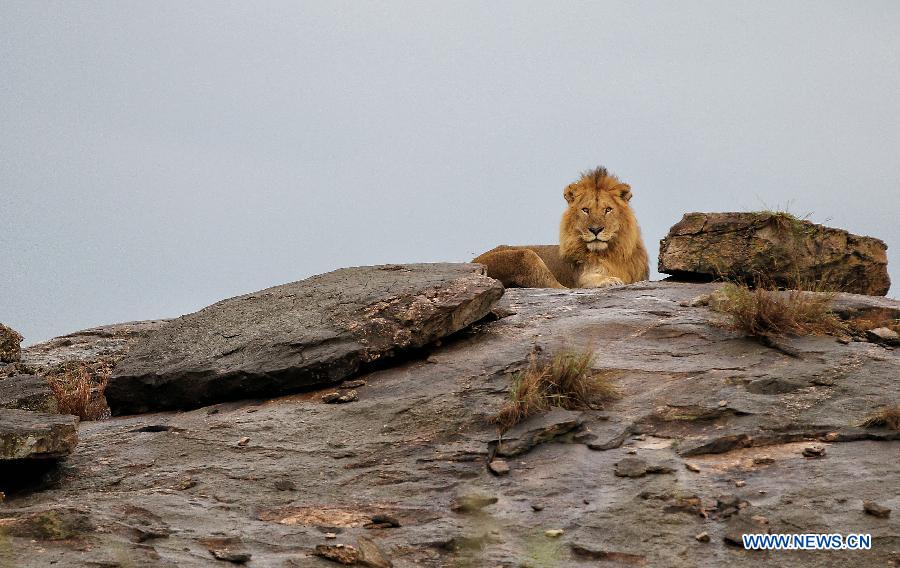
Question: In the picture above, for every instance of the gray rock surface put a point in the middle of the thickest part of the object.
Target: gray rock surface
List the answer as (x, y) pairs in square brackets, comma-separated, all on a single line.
[(776, 247), (27, 392), (283, 339), (35, 435), (160, 488)]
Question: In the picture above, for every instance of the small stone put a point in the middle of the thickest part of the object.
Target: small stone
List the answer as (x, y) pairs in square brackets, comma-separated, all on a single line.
[(739, 483), (883, 335), (691, 467), (340, 397), (186, 483), (554, 533), (725, 501), (702, 537), (537, 507), (843, 340), (285, 485), (759, 519), (229, 556), (723, 403), (331, 397), (471, 503), (761, 460), (340, 553), (631, 467), (631, 452), (499, 467), (330, 535), (814, 452), (243, 441), (876, 510), (355, 384)]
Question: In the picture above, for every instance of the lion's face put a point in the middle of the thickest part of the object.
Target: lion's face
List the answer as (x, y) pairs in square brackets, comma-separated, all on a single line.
[(597, 212)]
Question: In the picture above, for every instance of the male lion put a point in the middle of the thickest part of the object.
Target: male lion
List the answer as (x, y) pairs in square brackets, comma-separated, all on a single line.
[(599, 242)]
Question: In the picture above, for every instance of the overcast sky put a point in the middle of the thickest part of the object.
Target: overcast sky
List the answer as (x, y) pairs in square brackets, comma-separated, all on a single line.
[(158, 156)]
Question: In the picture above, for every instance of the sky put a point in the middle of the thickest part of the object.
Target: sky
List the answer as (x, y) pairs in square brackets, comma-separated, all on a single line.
[(156, 157)]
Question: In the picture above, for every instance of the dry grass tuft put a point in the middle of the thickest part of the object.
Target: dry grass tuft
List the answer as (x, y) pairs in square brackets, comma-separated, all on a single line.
[(78, 388), (764, 313), (887, 417), (567, 379), (875, 319)]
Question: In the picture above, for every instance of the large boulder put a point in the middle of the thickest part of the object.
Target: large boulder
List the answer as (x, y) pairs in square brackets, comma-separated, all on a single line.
[(290, 337), (27, 392), (10, 340), (36, 435), (776, 247)]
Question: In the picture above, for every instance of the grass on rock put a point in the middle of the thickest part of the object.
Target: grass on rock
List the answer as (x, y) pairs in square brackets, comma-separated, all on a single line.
[(887, 417), (78, 388), (765, 313), (566, 379)]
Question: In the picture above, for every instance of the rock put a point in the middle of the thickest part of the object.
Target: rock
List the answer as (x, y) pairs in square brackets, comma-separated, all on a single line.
[(631, 467), (499, 467), (537, 430), (876, 510), (883, 335), (227, 549), (471, 503), (739, 483), (738, 526), (536, 507), (691, 467), (421, 430), (340, 553), (27, 392), (637, 467), (702, 537), (370, 555), (243, 441), (10, 341), (554, 533), (385, 520), (355, 384), (36, 435), (283, 339), (814, 452), (340, 397), (743, 246), (229, 556)]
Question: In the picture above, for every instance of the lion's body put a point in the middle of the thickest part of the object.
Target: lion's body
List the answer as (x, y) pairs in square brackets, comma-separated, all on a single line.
[(600, 243)]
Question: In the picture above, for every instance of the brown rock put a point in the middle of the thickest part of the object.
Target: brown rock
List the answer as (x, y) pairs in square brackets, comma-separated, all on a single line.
[(776, 246), (35, 435), (876, 510), (471, 503), (499, 467), (340, 553), (10, 342)]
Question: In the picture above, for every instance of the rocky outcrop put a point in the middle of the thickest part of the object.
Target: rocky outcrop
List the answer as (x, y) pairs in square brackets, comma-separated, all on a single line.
[(10, 340), (714, 434), (27, 392), (776, 248), (35, 435), (295, 336)]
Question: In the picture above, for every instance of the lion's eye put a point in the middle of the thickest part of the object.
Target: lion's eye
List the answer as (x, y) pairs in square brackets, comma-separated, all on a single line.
[(608, 209), (585, 209)]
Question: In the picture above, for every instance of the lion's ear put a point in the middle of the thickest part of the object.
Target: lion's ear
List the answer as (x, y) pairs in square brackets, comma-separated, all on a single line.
[(569, 194), (623, 190)]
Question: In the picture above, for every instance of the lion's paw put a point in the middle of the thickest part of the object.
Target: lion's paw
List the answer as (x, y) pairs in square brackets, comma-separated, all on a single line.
[(602, 282)]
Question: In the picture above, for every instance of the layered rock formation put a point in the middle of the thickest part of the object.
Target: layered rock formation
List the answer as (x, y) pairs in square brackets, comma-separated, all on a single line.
[(313, 332), (775, 248), (715, 435)]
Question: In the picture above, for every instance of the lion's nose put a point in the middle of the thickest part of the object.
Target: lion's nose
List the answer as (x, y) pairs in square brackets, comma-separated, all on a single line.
[(595, 230)]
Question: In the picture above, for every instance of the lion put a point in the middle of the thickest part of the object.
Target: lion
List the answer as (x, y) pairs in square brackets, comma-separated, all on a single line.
[(599, 242)]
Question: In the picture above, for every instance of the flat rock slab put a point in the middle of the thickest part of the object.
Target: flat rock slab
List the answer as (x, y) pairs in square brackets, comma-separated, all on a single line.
[(35, 435), (777, 246), (27, 392), (290, 337)]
